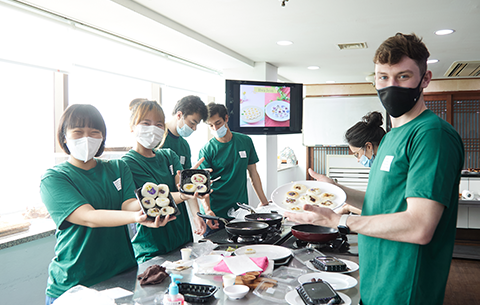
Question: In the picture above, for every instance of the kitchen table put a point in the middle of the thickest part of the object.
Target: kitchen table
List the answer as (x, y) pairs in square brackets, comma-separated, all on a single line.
[(147, 294)]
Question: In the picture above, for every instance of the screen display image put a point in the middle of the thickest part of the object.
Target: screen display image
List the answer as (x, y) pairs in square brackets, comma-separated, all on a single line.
[(264, 106), (268, 108)]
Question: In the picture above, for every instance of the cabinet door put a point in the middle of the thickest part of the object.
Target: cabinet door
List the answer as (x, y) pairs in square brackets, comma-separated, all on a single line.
[(462, 217), (474, 217)]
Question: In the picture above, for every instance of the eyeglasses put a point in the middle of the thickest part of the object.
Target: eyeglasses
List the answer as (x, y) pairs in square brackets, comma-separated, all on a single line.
[(355, 154)]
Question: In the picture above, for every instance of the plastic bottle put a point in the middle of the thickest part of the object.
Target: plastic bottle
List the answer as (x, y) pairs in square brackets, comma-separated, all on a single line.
[(173, 297)]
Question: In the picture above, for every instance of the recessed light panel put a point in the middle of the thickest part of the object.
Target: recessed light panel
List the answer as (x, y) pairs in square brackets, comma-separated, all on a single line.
[(444, 32), (432, 61), (313, 67)]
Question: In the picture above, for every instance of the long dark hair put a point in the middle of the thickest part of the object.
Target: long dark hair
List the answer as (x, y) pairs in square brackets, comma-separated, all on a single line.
[(367, 130)]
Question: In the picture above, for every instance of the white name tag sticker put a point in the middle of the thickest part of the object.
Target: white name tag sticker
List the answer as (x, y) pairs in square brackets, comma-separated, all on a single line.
[(182, 160), (118, 184), (242, 154), (387, 161), (171, 169)]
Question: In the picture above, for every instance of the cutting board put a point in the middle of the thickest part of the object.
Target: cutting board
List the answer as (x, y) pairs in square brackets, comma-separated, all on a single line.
[(254, 284)]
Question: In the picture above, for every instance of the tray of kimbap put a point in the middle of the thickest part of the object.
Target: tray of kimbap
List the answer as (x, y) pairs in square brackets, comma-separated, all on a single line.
[(156, 200), (195, 180)]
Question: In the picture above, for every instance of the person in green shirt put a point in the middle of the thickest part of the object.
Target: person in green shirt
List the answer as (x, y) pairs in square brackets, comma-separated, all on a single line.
[(407, 228), (188, 112), (230, 155), (91, 201), (160, 166)]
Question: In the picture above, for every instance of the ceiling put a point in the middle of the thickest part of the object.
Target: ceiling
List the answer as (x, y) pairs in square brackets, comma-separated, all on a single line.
[(235, 34)]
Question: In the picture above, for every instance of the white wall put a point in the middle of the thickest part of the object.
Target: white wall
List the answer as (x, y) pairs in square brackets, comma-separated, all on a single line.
[(23, 275)]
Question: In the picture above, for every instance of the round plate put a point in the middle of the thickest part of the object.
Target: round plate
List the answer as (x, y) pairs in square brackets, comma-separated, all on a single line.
[(293, 298), (251, 114), (278, 111), (278, 195), (351, 267), (337, 281), (270, 251)]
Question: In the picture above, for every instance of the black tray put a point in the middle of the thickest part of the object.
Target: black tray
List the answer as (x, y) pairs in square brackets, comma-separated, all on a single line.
[(197, 293), (138, 193), (186, 175)]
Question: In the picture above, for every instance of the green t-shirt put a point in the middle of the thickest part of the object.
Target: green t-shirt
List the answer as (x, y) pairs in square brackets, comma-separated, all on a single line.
[(180, 146), (83, 255), (228, 161), (151, 242), (422, 159)]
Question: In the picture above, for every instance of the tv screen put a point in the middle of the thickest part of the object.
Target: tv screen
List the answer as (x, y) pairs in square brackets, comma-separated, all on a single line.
[(256, 107)]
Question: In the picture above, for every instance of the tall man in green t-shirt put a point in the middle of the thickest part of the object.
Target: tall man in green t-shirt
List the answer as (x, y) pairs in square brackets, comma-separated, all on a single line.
[(230, 155), (409, 211), (188, 112)]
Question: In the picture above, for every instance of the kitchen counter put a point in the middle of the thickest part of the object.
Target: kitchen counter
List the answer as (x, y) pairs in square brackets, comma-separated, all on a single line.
[(146, 295)]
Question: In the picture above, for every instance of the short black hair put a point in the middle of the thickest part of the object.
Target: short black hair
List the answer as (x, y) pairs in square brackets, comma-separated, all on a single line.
[(81, 115), (191, 104), (219, 109)]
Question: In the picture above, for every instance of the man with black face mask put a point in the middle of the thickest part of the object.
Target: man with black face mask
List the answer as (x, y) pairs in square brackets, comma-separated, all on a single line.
[(409, 211)]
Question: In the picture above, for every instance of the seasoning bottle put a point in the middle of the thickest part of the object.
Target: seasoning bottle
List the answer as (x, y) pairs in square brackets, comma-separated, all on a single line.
[(173, 297)]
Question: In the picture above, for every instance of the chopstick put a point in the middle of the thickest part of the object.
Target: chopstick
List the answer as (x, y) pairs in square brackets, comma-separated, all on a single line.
[(212, 181)]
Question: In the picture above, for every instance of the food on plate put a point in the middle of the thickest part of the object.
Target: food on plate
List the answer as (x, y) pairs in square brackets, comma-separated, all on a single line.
[(148, 202), (312, 199), (328, 196), (163, 190), (153, 212), (162, 202), (250, 251), (290, 201), (149, 190), (314, 191), (230, 249), (190, 187), (292, 194), (326, 203), (251, 114), (201, 188), (296, 209), (300, 188), (167, 210), (198, 179)]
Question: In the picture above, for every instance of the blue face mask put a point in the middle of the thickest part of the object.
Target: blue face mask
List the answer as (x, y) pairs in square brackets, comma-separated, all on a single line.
[(367, 162), (185, 131), (220, 132)]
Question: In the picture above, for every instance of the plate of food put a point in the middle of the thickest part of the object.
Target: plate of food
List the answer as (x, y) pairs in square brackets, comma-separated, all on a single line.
[(351, 267), (293, 298), (270, 251), (336, 280), (251, 114), (292, 196), (278, 111), (156, 200)]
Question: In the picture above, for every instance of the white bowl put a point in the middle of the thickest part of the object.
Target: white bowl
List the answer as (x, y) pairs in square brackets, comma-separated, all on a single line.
[(208, 261), (235, 292)]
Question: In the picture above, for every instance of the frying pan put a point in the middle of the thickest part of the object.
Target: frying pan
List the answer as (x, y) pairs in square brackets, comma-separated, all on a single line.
[(240, 227), (273, 219), (312, 233)]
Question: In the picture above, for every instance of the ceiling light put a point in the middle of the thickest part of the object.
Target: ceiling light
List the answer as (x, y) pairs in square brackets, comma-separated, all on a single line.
[(330, 82), (444, 32), (313, 67), (284, 43), (432, 61)]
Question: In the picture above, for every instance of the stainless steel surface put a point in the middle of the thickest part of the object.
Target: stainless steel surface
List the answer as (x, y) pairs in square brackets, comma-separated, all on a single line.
[(146, 295)]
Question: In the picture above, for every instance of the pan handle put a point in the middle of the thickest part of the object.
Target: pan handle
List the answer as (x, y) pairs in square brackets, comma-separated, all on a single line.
[(212, 217), (243, 206)]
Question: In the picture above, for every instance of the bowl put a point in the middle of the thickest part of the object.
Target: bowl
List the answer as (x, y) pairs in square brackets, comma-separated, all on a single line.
[(236, 292), (208, 261)]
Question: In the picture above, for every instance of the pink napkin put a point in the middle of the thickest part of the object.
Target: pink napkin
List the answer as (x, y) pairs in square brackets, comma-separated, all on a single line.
[(261, 262)]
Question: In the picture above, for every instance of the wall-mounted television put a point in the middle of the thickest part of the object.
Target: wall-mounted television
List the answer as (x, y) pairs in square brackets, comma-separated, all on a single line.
[(268, 108)]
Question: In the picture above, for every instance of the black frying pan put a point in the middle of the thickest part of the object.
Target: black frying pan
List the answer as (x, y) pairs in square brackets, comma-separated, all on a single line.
[(312, 233), (273, 219), (240, 227)]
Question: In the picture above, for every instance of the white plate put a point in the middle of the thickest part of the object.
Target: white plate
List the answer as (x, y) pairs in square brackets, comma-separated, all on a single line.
[(251, 108), (278, 195), (270, 251), (293, 298), (351, 267), (336, 280), (273, 108)]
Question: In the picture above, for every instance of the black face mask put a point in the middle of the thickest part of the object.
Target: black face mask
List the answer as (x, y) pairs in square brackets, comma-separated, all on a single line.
[(399, 100)]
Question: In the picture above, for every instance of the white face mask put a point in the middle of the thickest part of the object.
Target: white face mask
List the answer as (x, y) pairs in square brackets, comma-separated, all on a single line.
[(148, 136), (83, 149), (185, 130), (220, 132)]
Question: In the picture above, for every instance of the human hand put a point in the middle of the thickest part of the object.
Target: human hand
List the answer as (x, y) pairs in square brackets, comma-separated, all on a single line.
[(213, 224), (315, 215), (200, 226), (142, 219), (320, 177)]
